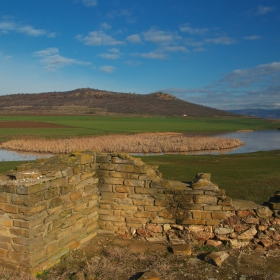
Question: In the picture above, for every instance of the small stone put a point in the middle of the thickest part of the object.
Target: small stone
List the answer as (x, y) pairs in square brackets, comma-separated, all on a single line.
[(214, 243), (264, 212), (222, 231), (166, 227), (181, 249), (149, 275), (78, 276), (216, 258)]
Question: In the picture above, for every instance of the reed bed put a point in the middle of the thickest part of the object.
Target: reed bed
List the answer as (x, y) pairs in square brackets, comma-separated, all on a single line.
[(136, 143)]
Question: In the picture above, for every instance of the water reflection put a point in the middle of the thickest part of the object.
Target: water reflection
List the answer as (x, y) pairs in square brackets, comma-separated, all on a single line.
[(15, 156), (263, 140)]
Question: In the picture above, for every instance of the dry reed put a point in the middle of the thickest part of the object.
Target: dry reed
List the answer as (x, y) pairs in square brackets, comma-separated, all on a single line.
[(136, 143)]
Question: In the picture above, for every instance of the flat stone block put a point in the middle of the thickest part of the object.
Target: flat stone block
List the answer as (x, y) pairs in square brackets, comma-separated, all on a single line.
[(181, 249)]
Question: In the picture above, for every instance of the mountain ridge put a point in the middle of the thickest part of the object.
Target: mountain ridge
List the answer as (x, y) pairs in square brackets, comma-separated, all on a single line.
[(95, 101)]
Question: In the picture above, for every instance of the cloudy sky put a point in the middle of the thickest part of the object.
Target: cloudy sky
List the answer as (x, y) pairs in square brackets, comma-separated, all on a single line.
[(220, 53)]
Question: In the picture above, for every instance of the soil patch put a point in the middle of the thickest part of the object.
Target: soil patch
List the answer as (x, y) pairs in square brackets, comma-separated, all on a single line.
[(25, 124)]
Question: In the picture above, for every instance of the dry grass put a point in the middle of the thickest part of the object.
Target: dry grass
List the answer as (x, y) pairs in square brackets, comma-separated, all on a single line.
[(137, 143), (119, 263)]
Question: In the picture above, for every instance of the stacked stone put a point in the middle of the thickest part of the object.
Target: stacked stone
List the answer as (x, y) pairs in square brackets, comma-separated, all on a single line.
[(47, 209), (274, 204)]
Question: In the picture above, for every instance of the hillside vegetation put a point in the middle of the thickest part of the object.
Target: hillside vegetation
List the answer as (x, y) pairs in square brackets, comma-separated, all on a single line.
[(94, 101)]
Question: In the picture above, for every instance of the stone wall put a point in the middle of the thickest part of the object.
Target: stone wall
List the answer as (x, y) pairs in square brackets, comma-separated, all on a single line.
[(56, 205)]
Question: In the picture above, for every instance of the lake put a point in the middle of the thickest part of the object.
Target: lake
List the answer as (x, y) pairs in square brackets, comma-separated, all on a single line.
[(262, 140)]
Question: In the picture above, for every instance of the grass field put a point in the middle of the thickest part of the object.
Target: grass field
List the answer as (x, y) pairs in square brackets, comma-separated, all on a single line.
[(98, 125), (252, 176)]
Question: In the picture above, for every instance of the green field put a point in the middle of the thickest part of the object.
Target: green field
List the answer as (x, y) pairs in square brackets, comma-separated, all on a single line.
[(252, 176), (96, 125)]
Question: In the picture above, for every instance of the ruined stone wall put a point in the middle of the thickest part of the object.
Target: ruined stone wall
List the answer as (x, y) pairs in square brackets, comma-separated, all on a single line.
[(56, 205), (46, 210)]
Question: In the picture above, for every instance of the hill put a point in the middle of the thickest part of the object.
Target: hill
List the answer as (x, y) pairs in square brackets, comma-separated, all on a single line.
[(94, 101)]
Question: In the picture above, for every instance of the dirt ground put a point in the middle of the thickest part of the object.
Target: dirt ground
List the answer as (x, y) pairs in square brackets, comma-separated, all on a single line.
[(110, 257)]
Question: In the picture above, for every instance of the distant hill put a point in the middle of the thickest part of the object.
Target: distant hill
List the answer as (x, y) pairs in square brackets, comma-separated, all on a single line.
[(94, 101), (261, 113)]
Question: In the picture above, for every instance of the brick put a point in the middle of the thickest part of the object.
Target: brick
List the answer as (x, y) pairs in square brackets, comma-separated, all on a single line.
[(136, 220), (144, 215), (105, 188), (4, 197), (32, 210), (144, 190), (145, 202), (154, 208), (134, 183), (193, 222), (107, 195), (202, 215), (58, 182), (125, 207), (74, 179), (22, 259), (205, 199), (9, 208), (111, 218), (87, 175), (212, 208), (123, 189), (88, 238), (86, 182), (3, 253), (75, 196), (113, 181), (38, 256), (220, 215)]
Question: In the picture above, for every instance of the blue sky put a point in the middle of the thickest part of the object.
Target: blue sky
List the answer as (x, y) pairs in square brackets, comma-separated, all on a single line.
[(220, 53)]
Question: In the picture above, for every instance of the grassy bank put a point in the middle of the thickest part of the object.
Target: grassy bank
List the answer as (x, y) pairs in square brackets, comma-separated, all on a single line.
[(100, 125), (252, 176)]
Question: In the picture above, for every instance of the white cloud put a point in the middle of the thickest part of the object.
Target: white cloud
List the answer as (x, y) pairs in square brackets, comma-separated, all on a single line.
[(223, 40), (98, 38), (263, 10), (191, 42), (252, 37), (90, 3), (46, 52), (8, 26), (256, 87), (105, 25), (107, 69), (248, 76), (161, 37), (133, 63), (200, 49), (154, 55), (114, 50), (193, 31), (134, 38), (52, 60), (109, 55), (176, 49)]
